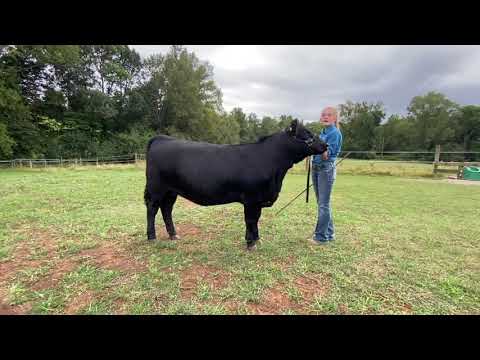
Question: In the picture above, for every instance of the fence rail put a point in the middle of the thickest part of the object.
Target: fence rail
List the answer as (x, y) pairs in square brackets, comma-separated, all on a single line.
[(97, 161), (442, 161)]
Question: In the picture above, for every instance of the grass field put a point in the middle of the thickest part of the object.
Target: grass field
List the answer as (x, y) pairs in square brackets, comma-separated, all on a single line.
[(73, 241)]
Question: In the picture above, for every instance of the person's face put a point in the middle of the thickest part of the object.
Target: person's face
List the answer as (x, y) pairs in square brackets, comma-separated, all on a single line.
[(328, 116)]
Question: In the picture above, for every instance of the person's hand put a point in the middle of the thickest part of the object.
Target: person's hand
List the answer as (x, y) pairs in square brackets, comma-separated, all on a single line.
[(325, 155)]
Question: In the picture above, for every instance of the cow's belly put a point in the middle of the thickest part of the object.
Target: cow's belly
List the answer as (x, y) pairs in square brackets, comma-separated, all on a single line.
[(210, 199), (207, 189)]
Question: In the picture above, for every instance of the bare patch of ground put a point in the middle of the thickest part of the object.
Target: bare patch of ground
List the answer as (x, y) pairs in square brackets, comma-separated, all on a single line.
[(274, 301), (110, 256), (450, 181), (310, 286), (55, 275), (79, 302), (183, 230), (191, 277), (40, 248)]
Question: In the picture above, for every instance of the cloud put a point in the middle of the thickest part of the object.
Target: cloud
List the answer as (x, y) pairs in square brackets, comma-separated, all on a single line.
[(300, 80)]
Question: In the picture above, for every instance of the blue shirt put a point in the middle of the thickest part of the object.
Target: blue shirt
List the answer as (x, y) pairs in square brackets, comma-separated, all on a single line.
[(333, 137)]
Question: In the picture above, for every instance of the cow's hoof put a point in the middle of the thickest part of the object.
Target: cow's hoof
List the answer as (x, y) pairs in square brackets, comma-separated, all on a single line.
[(252, 248), (151, 239), (175, 237)]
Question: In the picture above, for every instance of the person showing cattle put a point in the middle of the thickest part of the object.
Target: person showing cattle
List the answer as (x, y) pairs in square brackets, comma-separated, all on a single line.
[(212, 174), (323, 176)]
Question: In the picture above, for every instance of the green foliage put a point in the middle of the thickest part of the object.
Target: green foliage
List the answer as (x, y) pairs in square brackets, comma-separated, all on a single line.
[(6, 142), (359, 122), (94, 100), (467, 129), (433, 116)]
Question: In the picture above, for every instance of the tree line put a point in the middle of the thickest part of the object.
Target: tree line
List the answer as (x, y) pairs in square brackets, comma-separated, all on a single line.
[(101, 100)]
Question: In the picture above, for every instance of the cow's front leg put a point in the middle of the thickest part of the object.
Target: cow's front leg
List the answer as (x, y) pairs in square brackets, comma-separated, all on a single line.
[(252, 214)]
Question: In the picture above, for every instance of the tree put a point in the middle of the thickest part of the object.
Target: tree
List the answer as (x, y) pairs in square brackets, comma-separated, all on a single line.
[(6, 143), (268, 126), (315, 127), (397, 133), (180, 90), (359, 121), (433, 116), (468, 126), (18, 132), (240, 118), (253, 128)]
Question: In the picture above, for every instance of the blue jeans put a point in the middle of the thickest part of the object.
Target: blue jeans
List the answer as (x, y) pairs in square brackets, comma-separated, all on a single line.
[(323, 177)]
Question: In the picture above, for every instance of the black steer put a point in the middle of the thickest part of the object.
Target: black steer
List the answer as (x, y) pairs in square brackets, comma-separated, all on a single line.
[(209, 174)]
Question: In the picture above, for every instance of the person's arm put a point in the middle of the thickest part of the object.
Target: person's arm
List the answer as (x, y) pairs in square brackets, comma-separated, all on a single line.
[(333, 144)]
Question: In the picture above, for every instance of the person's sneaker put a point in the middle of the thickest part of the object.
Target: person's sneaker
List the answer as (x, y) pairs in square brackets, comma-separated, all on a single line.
[(316, 242)]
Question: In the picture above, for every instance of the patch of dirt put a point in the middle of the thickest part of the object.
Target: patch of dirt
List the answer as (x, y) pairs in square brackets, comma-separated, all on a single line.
[(120, 307), (56, 274), (312, 285), (286, 264), (39, 248), (450, 181), (192, 276), (183, 230), (407, 308), (79, 302), (6, 309), (38, 239), (274, 301), (462, 182), (111, 257), (8, 269), (230, 305)]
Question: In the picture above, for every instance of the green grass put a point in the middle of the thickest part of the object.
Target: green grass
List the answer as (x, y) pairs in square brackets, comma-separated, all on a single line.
[(406, 244)]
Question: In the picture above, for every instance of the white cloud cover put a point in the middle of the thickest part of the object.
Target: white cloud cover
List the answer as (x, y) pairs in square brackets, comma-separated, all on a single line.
[(300, 80)]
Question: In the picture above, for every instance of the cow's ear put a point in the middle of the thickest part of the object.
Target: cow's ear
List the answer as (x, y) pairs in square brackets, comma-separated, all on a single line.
[(292, 128)]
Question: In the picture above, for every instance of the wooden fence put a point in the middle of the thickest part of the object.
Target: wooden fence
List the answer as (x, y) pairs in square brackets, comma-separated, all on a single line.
[(97, 161), (443, 162)]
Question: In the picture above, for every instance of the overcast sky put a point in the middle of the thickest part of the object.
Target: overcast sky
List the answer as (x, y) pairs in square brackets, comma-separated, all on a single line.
[(300, 80)]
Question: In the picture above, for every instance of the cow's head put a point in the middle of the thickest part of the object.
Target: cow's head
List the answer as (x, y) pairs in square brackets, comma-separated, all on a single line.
[(300, 133)]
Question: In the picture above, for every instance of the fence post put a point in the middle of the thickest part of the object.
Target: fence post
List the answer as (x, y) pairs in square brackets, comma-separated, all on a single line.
[(97, 161), (307, 160), (437, 159), (135, 158), (30, 163)]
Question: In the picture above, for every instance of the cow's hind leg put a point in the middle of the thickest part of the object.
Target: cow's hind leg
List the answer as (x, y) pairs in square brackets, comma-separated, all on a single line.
[(166, 206), (252, 214), (152, 205)]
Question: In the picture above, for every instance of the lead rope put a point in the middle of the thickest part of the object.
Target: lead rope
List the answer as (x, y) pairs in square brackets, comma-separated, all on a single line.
[(308, 186)]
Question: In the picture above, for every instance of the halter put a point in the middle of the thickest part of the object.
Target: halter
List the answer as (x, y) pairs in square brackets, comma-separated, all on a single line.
[(307, 142)]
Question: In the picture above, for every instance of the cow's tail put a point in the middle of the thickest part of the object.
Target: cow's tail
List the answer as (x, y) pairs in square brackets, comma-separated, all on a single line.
[(146, 196)]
